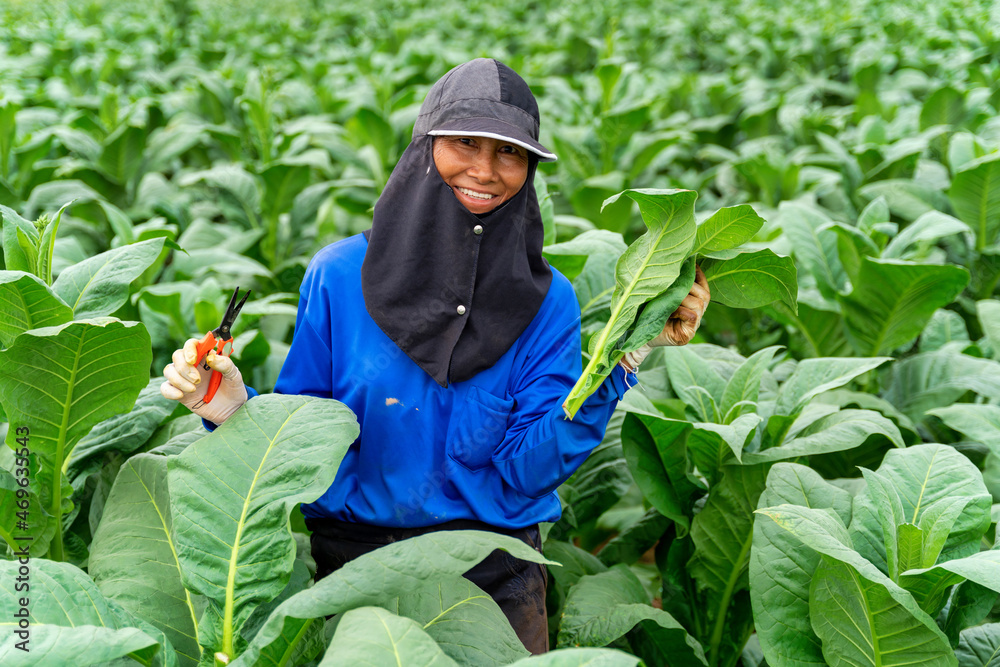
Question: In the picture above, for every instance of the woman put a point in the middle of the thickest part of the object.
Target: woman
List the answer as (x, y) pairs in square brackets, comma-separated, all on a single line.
[(454, 343)]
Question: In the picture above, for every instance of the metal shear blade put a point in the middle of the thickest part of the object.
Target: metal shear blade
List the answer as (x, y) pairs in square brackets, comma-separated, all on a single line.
[(223, 332)]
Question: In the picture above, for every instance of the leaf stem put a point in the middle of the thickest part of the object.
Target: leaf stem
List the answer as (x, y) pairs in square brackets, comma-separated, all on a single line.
[(572, 405), (987, 291), (228, 630), (698, 620), (734, 657), (720, 616), (9, 539), (251, 216), (56, 547), (803, 329), (140, 660), (270, 244), (287, 655)]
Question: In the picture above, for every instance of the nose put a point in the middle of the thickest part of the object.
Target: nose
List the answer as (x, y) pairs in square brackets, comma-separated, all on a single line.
[(482, 168)]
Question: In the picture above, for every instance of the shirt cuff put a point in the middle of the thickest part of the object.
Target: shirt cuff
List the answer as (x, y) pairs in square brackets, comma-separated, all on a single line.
[(211, 426), (621, 380)]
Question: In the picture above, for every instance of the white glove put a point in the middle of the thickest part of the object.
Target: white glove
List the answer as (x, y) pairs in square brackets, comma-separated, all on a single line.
[(630, 362), (680, 327), (188, 383)]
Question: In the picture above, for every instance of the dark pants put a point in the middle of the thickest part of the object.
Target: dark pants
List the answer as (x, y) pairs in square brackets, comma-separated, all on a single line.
[(517, 586)]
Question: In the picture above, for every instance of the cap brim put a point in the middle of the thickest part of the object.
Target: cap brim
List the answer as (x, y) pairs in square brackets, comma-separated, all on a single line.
[(494, 129)]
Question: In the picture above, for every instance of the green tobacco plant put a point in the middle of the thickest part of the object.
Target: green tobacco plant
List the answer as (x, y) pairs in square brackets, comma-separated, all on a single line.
[(405, 602), (72, 623), (398, 569), (706, 467), (66, 365), (938, 378), (28, 303), (975, 198), (99, 285), (262, 199), (28, 247), (224, 534), (145, 578), (734, 409), (76, 389), (96, 459), (602, 608), (872, 295), (371, 635), (445, 609), (198, 545), (656, 272), (387, 638), (609, 141), (980, 423), (861, 581)]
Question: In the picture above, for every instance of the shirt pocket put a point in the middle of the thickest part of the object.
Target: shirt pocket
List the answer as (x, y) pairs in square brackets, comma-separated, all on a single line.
[(478, 425)]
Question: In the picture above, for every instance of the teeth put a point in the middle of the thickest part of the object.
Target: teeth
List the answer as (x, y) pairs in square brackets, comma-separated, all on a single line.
[(475, 195)]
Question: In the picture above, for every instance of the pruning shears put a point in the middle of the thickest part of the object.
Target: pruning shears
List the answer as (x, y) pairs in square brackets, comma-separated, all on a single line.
[(217, 338)]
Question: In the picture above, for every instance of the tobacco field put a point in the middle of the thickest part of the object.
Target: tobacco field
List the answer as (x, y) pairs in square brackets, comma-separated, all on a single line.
[(815, 480)]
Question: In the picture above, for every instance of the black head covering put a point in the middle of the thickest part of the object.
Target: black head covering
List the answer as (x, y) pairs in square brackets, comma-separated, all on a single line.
[(452, 299)]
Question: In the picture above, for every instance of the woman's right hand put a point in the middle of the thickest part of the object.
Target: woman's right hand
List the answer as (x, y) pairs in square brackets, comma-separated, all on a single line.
[(187, 382)]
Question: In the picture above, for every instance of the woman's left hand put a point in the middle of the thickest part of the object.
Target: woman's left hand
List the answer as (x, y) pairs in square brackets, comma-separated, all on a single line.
[(683, 323), (680, 327)]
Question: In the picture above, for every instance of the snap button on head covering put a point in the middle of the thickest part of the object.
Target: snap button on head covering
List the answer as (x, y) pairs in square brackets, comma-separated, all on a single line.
[(483, 98), (477, 230), (461, 310)]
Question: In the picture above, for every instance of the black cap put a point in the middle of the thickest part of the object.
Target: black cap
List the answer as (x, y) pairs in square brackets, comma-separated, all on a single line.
[(483, 98)]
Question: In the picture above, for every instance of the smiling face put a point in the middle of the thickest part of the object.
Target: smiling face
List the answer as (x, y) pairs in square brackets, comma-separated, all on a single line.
[(481, 171)]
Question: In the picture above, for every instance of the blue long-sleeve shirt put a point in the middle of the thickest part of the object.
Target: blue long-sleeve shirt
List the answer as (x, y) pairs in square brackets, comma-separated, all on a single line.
[(492, 448)]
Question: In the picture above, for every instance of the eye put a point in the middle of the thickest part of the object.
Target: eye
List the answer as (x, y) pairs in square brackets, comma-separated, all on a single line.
[(467, 141), (511, 149)]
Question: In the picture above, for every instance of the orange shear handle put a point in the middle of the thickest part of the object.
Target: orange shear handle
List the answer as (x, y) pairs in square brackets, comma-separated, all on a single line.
[(204, 345)]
